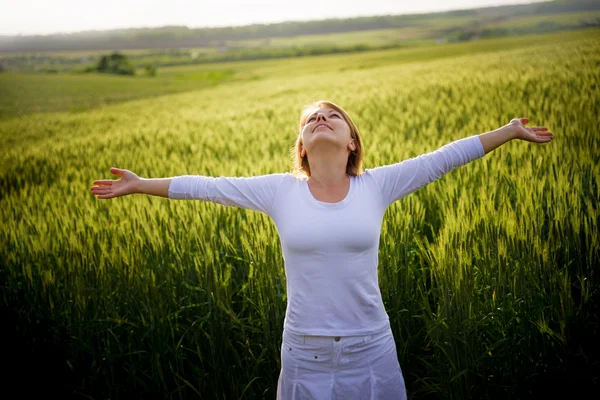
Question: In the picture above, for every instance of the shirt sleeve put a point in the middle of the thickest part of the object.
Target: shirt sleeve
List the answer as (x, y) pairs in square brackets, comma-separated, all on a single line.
[(255, 193), (401, 179)]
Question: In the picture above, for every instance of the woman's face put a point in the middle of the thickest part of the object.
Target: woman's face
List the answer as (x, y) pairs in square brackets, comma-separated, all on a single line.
[(326, 125)]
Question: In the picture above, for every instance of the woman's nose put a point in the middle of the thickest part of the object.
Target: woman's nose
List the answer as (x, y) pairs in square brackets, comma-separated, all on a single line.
[(321, 116)]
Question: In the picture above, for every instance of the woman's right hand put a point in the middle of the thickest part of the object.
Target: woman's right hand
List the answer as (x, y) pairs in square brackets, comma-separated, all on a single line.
[(107, 189)]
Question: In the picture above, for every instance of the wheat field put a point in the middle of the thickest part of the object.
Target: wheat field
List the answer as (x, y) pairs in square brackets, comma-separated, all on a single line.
[(489, 275)]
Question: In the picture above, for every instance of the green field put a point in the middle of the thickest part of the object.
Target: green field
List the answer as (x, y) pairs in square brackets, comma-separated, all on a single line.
[(566, 20), (489, 275), (405, 32), (27, 93)]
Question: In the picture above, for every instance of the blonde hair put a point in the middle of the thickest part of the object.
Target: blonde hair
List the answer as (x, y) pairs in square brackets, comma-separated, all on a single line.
[(355, 159)]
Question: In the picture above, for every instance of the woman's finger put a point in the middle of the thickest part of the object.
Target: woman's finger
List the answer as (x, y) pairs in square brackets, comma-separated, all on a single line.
[(104, 187), (104, 182), (101, 191), (117, 171)]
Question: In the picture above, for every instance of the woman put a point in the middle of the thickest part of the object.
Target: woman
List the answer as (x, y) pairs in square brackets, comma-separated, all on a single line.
[(337, 340)]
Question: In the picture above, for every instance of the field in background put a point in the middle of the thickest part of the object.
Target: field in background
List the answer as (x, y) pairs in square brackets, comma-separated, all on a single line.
[(488, 275), (407, 31), (27, 93)]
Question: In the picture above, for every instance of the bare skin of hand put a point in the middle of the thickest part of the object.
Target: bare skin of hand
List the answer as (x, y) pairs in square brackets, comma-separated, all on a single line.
[(536, 134), (107, 189)]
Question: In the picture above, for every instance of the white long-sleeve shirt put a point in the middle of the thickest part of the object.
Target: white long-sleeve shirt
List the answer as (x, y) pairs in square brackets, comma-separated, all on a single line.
[(330, 250)]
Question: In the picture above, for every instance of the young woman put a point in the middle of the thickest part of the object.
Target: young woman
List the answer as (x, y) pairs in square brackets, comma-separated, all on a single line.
[(337, 341)]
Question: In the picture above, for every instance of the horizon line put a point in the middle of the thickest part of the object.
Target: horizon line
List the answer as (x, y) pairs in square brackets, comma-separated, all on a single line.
[(66, 33)]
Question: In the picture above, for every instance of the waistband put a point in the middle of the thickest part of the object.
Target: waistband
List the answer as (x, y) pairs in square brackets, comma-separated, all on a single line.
[(336, 340)]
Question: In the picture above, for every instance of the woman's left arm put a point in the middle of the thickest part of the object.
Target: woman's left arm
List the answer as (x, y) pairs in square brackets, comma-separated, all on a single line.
[(515, 129)]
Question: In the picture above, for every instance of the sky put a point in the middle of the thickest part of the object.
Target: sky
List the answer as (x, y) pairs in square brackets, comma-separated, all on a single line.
[(42, 17)]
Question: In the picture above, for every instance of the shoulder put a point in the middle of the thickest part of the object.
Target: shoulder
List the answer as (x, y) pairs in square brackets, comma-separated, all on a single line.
[(366, 175), (371, 178)]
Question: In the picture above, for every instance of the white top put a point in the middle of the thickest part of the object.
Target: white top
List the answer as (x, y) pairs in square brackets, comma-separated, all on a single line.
[(330, 250)]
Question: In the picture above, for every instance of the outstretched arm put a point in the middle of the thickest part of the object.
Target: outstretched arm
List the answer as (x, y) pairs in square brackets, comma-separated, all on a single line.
[(255, 192), (515, 129), (402, 178), (130, 183)]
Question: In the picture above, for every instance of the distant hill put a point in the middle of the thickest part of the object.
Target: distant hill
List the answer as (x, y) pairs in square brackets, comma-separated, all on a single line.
[(184, 37)]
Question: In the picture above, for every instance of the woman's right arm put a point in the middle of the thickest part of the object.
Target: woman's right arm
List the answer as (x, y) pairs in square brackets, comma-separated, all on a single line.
[(255, 193), (154, 186), (130, 183)]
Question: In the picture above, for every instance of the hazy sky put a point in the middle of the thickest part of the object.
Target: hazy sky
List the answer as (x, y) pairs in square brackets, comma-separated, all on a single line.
[(28, 17)]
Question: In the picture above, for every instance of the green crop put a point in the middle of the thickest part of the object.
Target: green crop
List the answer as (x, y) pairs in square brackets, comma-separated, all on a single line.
[(489, 275)]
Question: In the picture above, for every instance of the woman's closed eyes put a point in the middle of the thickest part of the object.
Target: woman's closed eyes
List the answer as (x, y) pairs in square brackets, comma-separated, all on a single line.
[(313, 118)]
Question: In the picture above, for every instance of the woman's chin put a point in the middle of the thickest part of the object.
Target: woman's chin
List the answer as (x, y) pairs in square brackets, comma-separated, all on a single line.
[(322, 134), (327, 143)]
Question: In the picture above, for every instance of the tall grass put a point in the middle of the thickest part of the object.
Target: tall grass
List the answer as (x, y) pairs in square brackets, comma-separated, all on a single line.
[(488, 275)]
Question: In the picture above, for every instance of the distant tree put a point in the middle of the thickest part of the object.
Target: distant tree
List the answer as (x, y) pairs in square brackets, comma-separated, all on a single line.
[(90, 68), (150, 69), (462, 36), (116, 63), (102, 64), (1, 68)]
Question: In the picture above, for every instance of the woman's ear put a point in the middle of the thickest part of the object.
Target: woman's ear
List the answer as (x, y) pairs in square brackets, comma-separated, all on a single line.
[(302, 152)]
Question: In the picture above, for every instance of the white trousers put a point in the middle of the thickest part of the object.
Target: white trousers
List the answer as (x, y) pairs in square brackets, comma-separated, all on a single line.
[(340, 368)]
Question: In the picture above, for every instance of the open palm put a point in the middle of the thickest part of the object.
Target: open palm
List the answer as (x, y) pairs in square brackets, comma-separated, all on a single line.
[(536, 134), (107, 189)]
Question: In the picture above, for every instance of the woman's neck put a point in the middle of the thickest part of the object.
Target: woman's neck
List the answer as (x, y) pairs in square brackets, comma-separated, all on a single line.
[(328, 171)]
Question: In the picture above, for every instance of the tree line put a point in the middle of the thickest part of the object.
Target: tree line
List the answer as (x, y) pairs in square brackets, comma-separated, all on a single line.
[(181, 36)]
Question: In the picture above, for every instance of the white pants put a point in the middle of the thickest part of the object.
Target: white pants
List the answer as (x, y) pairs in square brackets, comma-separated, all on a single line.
[(340, 368)]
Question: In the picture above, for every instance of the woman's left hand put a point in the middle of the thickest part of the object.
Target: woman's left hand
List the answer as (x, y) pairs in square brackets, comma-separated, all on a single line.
[(536, 134)]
